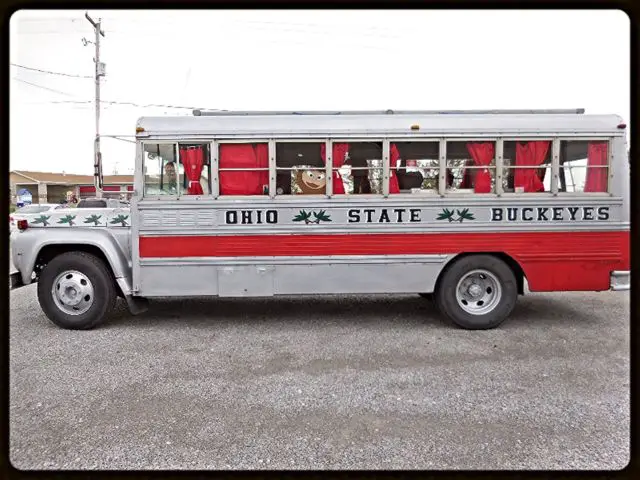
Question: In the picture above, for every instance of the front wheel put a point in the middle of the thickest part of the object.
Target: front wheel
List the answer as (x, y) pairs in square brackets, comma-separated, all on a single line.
[(76, 291), (477, 292)]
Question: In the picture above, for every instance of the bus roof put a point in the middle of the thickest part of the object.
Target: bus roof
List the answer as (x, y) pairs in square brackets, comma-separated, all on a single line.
[(352, 124), (204, 112)]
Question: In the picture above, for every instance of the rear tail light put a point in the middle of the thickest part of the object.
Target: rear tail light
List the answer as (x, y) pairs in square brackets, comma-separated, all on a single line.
[(22, 224)]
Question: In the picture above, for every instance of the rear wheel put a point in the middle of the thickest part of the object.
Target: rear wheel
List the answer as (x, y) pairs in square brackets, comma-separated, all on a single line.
[(477, 292), (76, 291)]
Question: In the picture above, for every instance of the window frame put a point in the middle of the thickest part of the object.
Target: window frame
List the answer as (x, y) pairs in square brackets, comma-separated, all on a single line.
[(145, 195), (442, 152), (443, 166), (215, 167), (442, 140), (609, 141), (328, 166), (555, 146), (385, 165), (180, 189)]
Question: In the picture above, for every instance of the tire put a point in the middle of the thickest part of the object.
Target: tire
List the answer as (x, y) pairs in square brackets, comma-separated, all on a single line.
[(87, 281), (485, 283)]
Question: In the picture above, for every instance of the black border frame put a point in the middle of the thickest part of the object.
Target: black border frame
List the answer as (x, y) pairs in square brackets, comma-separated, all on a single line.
[(627, 7)]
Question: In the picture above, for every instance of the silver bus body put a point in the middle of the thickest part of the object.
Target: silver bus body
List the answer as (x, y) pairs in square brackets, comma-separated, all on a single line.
[(213, 244)]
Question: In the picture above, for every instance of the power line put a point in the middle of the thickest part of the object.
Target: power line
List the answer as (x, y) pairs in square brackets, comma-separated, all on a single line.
[(49, 19), (50, 72), (115, 102), (317, 28), (148, 105), (110, 102), (119, 137), (44, 88)]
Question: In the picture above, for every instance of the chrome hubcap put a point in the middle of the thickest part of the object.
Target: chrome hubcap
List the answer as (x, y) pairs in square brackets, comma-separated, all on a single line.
[(475, 290), (478, 292), (72, 292)]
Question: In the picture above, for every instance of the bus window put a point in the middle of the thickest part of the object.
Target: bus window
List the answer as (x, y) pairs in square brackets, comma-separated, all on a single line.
[(584, 166), (300, 168), (340, 169), (527, 166), (193, 169), (471, 166), (418, 166), (362, 170), (243, 168), (160, 172)]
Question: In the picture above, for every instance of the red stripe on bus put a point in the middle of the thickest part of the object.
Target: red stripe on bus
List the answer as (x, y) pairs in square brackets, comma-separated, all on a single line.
[(551, 260), (529, 244)]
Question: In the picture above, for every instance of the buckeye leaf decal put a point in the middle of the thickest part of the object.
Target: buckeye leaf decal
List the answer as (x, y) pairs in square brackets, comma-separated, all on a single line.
[(446, 214), (41, 220), (67, 219), (95, 219), (120, 219)]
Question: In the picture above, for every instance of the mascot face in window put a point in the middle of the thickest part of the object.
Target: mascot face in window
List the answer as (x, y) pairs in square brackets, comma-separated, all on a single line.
[(311, 181)]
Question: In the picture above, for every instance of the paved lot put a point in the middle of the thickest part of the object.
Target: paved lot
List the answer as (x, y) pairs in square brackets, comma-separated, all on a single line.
[(330, 382)]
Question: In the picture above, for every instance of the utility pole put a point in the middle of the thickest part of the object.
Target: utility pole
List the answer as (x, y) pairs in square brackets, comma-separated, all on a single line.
[(99, 72)]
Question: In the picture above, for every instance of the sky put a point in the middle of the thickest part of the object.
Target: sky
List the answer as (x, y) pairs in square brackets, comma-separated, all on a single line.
[(296, 60)]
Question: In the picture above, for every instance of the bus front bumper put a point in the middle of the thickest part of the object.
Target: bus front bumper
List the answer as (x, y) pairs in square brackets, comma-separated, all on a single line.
[(621, 280)]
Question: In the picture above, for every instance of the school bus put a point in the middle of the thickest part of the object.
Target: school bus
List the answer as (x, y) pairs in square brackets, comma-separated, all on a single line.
[(467, 208)]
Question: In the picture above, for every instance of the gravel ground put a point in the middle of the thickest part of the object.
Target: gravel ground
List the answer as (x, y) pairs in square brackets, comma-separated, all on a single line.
[(324, 383)]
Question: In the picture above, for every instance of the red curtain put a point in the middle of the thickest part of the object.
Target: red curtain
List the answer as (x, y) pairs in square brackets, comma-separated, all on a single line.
[(482, 154), (339, 152), (394, 187), (192, 159), (596, 180), (244, 155), (531, 154)]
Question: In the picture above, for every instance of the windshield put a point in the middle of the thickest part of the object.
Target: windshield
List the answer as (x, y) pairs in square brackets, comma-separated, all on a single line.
[(34, 209)]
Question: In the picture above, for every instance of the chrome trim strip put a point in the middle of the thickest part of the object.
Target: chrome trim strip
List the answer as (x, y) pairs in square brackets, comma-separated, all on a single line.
[(364, 229), (406, 200), (620, 280), (302, 260)]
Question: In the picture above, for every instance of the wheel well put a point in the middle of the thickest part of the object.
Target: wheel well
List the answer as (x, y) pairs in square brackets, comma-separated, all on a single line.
[(513, 265), (49, 252)]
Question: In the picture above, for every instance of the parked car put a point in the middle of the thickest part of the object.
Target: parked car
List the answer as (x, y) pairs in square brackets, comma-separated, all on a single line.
[(31, 209), (95, 202)]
